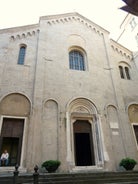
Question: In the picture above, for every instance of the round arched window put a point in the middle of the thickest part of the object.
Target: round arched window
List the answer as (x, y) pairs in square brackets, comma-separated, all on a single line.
[(76, 60)]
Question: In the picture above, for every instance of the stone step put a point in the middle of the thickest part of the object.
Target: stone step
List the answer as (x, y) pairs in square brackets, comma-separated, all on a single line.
[(92, 175), (96, 178), (88, 181), (76, 178)]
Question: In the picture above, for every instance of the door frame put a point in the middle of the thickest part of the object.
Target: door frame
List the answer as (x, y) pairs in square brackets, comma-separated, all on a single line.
[(91, 139), (24, 138), (97, 143), (134, 135), (81, 108)]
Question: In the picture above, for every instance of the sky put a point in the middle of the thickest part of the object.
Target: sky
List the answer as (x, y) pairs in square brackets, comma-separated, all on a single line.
[(105, 13)]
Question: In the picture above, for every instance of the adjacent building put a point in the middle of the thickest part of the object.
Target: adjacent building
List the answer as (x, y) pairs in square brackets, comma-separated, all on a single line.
[(129, 32), (67, 92), (128, 35)]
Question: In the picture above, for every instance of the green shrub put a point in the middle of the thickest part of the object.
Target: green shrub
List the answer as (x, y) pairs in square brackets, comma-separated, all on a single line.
[(51, 165), (128, 163)]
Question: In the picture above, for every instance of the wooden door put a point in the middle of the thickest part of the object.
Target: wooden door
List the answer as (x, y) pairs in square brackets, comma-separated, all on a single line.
[(11, 138)]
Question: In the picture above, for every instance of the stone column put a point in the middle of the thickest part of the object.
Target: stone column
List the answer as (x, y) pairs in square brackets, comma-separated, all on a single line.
[(68, 139)]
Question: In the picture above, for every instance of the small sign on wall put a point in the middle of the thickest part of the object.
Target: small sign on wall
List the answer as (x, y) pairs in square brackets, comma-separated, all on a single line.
[(114, 125)]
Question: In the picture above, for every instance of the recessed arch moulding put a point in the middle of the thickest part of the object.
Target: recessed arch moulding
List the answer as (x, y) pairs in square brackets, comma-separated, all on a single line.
[(15, 104), (83, 109)]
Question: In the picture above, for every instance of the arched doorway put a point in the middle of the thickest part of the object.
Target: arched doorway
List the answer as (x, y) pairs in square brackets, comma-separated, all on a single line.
[(133, 118), (14, 110), (11, 139), (83, 143)]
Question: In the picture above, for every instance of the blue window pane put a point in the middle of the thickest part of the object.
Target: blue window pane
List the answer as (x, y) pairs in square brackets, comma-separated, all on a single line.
[(81, 65), (21, 55), (76, 60), (71, 62)]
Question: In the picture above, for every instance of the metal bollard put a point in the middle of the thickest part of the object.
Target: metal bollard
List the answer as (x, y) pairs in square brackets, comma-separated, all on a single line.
[(36, 175), (16, 172)]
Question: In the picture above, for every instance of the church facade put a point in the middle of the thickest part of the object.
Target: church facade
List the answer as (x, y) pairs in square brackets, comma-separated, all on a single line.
[(67, 92)]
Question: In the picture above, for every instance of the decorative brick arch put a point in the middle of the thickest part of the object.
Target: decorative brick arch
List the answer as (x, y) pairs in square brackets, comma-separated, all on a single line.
[(14, 110)]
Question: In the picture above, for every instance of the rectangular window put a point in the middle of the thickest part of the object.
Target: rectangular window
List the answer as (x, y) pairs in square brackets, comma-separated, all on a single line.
[(133, 23)]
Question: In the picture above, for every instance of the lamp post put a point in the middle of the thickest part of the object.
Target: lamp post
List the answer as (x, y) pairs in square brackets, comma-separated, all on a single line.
[(131, 6)]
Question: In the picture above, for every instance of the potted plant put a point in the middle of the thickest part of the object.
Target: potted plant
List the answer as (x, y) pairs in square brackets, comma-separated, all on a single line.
[(128, 163), (51, 165)]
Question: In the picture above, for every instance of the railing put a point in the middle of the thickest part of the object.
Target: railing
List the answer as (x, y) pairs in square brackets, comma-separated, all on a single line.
[(19, 179), (70, 178)]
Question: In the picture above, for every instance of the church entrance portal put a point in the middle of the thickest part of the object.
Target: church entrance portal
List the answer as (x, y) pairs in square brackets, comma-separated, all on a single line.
[(11, 139), (83, 143)]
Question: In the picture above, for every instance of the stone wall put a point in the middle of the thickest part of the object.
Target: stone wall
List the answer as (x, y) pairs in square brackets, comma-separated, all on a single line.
[(51, 86)]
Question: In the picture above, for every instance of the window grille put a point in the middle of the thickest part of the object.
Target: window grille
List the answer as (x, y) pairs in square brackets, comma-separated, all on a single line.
[(76, 60), (21, 55)]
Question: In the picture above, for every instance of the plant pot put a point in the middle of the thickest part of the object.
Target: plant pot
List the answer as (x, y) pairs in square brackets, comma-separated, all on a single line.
[(128, 163), (51, 165), (51, 169), (129, 167)]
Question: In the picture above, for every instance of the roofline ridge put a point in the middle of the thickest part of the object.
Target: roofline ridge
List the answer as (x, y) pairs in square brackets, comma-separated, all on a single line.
[(57, 16)]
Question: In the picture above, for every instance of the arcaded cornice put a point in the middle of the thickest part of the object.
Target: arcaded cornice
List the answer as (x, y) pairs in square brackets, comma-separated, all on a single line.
[(69, 17), (19, 28), (120, 49), (29, 30), (21, 32)]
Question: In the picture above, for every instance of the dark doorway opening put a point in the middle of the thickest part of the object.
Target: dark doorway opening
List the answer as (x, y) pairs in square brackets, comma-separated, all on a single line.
[(83, 144), (136, 132), (83, 151), (12, 146), (11, 139)]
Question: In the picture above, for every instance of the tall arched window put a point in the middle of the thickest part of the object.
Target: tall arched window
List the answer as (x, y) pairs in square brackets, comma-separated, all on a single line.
[(124, 70), (121, 72), (22, 55), (127, 73), (76, 60)]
